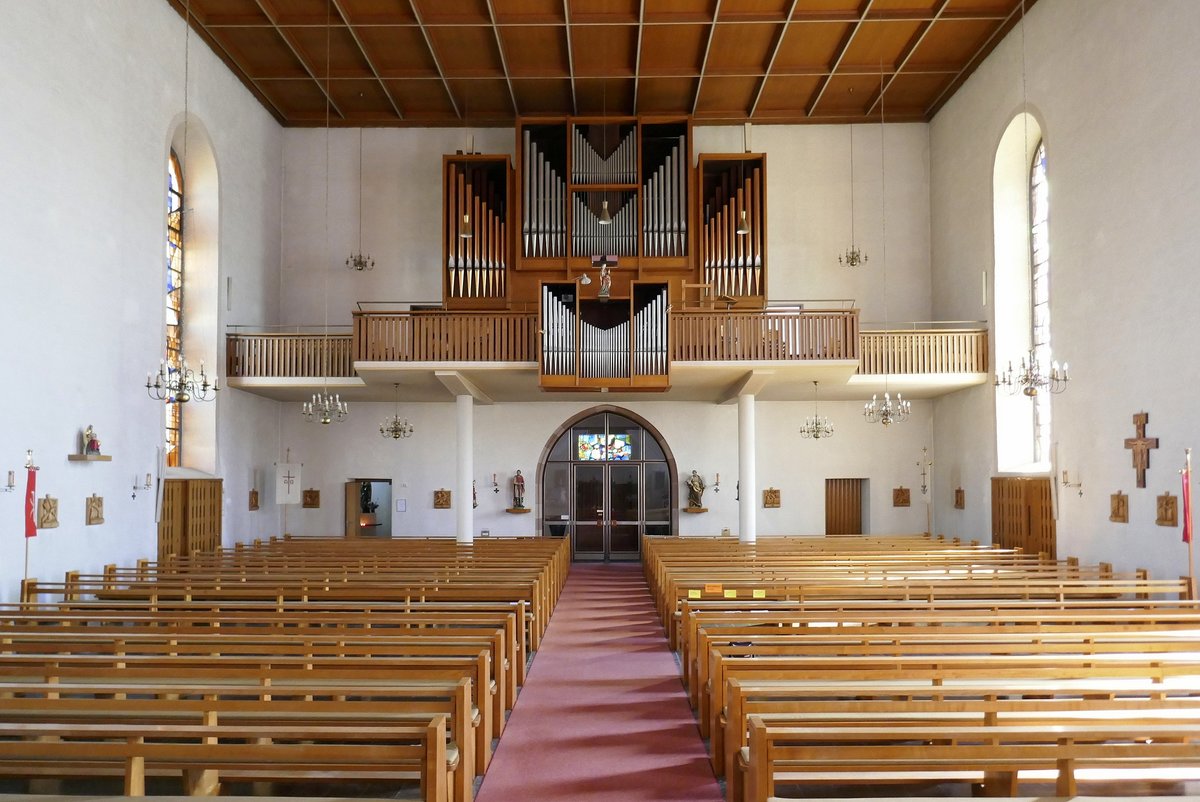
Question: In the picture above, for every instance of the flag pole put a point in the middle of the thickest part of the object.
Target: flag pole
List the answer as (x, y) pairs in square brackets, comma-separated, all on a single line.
[(1187, 522)]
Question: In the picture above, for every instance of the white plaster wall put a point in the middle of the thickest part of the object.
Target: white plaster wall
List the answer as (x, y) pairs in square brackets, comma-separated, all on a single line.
[(1124, 198), (808, 212), (401, 216), (701, 437), (92, 91), (808, 200)]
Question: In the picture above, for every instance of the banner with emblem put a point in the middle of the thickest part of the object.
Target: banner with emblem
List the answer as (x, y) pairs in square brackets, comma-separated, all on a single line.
[(287, 482)]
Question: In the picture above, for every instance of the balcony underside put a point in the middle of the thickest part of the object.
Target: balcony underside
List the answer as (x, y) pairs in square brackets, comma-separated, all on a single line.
[(708, 382)]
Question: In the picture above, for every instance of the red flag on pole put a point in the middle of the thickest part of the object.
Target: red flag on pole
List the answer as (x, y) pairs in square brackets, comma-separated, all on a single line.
[(1187, 503), (31, 504)]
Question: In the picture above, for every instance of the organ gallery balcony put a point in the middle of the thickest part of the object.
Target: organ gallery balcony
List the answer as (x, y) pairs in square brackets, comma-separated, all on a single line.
[(627, 348)]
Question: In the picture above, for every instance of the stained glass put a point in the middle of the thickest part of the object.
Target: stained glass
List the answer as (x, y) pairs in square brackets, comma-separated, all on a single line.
[(173, 418)]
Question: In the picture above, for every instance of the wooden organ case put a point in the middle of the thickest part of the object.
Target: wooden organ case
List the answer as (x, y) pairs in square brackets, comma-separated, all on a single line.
[(733, 214), (601, 226), (476, 206), (590, 343)]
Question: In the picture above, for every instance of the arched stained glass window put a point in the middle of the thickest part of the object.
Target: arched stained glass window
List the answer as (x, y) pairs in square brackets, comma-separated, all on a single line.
[(174, 306), (1039, 293)]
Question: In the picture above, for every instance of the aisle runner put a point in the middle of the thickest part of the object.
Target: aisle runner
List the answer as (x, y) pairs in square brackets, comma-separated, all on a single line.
[(603, 716)]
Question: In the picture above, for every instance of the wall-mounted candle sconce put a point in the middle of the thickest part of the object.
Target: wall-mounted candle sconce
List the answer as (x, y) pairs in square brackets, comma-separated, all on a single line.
[(717, 484), (145, 486), (495, 484), (1068, 483), (12, 482)]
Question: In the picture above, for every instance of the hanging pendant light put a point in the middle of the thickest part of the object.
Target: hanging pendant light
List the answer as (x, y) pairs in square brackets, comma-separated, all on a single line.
[(605, 217), (743, 226), (393, 427), (816, 427), (465, 228)]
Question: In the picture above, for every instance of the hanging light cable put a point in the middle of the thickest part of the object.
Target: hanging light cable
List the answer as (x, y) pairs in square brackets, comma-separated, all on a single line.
[(360, 261), (175, 381), (743, 226), (466, 229), (324, 407), (886, 412), (854, 256)]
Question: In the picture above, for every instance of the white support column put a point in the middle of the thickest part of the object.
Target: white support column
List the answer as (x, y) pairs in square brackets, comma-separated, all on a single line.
[(464, 514), (748, 489)]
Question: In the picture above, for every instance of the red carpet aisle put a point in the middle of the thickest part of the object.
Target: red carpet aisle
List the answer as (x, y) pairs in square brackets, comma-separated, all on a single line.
[(603, 716)]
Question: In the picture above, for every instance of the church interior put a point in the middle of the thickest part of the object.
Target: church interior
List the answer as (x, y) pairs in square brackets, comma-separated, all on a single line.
[(591, 294)]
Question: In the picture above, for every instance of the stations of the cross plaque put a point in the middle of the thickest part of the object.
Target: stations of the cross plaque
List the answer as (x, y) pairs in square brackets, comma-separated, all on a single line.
[(1141, 446)]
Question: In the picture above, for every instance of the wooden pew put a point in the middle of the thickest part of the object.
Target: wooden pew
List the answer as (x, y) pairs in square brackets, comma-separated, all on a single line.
[(263, 672), (851, 755), (207, 753), (783, 703), (372, 704)]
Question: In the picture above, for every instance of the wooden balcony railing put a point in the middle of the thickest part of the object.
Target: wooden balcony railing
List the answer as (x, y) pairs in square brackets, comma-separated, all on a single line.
[(770, 335), (923, 351), (278, 355), (445, 336), (694, 337)]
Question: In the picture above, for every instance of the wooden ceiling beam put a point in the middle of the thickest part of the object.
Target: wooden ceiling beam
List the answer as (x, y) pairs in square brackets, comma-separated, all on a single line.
[(512, 93), (337, 4), (771, 62), (273, 15), (223, 53), (712, 31), (845, 45), (433, 55), (907, 54), (570, 56), (1003, 28), (637, 57)]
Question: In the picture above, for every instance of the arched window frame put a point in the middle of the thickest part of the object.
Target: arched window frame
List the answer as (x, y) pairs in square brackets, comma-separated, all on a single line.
[(1039, 293), (173, 303)]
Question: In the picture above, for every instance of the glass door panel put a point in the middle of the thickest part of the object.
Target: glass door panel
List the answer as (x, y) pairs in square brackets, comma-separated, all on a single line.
[(589, 512), (624, 520)]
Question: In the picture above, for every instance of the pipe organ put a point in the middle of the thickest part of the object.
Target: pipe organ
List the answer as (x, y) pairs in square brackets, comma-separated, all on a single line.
[(475, 229), (665, 194), (543, 193), (619, 344), (617, 195), (733, 215)]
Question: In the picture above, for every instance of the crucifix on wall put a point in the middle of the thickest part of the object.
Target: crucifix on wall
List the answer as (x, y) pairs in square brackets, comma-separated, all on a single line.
[(1141, 446)]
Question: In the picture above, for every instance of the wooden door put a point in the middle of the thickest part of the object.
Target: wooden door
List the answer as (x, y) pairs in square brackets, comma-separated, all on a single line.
[(843, 506), (353, 493), (1023, 514), (191, 517)]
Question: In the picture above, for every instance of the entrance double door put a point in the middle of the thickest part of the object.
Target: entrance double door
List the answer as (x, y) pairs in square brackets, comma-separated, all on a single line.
[(607, 509)]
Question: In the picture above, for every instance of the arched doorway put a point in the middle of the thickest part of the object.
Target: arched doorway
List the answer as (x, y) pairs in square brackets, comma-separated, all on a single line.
[(607, 478)]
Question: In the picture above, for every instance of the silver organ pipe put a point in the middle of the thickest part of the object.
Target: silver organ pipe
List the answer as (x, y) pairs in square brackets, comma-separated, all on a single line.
[(558, 335), (588, 166), (650, 336), (733, 262), (665, 226), (543, 225), (475, 265)]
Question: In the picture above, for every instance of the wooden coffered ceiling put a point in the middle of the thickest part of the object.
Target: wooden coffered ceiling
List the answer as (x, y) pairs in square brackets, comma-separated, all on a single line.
[(487, 62)]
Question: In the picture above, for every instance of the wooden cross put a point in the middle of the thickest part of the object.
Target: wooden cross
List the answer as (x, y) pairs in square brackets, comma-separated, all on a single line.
[(1141, 446)]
